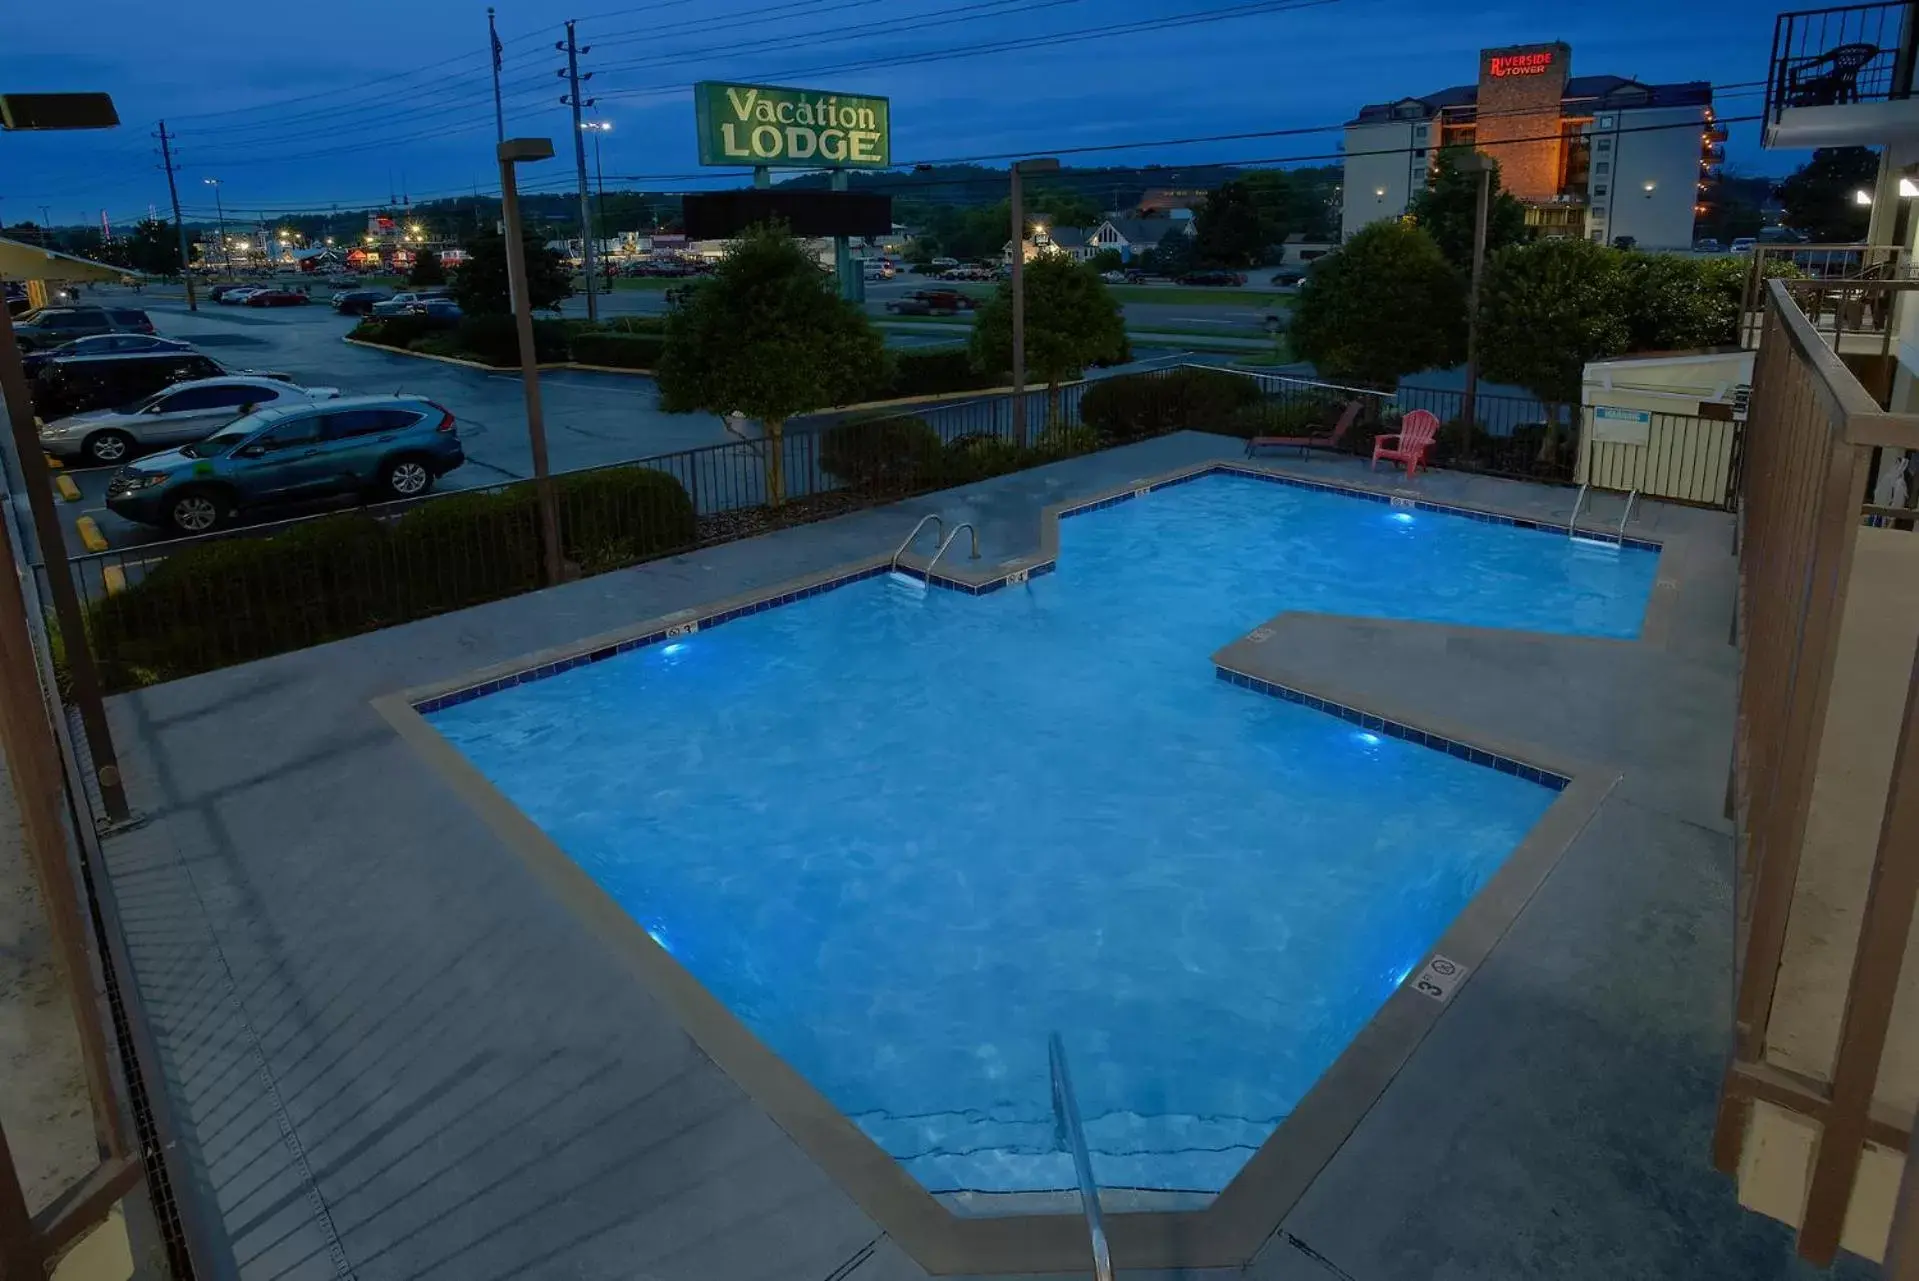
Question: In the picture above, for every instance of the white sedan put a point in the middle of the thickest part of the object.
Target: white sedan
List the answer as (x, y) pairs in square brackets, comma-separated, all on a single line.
[(178, 414)]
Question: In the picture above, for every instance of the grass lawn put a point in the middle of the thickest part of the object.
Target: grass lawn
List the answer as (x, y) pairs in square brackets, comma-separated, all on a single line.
[(654, 283), (1194, 297)]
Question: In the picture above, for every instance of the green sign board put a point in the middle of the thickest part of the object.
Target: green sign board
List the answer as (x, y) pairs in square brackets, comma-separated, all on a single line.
[(791, 128)]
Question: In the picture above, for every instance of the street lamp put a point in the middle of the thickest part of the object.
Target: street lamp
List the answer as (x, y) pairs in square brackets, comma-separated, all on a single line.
[(596, 128), (220, 206), (512, 152), (1038, 164)]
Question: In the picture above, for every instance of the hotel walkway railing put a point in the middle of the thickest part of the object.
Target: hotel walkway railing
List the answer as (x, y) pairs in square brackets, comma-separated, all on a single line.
[(1811, 440)]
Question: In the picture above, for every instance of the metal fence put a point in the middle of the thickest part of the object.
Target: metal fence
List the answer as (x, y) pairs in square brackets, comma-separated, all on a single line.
[(1840, 55)]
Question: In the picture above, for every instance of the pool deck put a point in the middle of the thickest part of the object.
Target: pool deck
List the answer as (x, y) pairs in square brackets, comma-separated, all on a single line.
[(399, 1056)]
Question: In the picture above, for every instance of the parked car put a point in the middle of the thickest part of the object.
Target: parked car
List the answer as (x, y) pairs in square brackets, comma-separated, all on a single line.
[(79, 383), (444, 312), (1212, 278), (102, 345), (52, 326), (397, 305), (177, 414), (911, 306), (1744, 245), (1113, 277), (234, 297), (219, 292), (1289, 277), (277, 298), (386, 446), (1707, 246), (359, 302)]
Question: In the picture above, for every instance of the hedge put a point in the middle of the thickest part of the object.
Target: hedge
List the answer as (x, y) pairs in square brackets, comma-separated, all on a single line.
[(620, 351), (235, 599), (1136, 406), (891, 455)]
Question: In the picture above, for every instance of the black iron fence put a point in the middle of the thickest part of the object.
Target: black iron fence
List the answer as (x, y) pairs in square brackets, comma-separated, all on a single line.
[(168, 610), (1847, 54)]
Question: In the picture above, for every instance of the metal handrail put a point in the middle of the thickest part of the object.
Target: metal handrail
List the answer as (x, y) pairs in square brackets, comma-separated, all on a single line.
[(938, 535), (1072, 1137), (965, 525), (1630, 500), (1572, 524)]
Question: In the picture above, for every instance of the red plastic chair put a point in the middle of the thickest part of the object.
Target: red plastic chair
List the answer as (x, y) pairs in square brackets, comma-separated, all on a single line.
[(1409, 445)]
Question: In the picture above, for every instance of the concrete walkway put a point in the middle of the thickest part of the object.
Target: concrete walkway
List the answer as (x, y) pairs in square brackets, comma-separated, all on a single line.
[(397, 1057)]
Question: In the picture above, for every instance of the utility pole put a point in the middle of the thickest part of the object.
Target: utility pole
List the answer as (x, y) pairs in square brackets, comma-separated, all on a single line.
[(179, 227), (1042, 164), (226, 249), (588, 257), (1483, 166)]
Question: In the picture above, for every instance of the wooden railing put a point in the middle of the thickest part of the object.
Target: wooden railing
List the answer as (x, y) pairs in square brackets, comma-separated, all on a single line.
[(1810, 440)]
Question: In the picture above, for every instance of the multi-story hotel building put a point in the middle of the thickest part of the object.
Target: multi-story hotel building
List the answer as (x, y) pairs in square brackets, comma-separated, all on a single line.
[(1598, 156)]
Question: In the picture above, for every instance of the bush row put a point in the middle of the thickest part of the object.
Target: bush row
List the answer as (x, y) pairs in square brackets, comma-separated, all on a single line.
[(903, 454), (1137, 406), (235, 599)]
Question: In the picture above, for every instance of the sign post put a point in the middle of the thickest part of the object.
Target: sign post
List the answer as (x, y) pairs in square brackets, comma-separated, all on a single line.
[(769, 127)]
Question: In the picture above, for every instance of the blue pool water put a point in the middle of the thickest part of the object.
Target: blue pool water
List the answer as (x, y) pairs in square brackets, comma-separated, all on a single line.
[(904, 834)]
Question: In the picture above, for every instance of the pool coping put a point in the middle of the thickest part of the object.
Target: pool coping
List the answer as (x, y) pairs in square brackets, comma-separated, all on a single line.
[(1231, 1229)]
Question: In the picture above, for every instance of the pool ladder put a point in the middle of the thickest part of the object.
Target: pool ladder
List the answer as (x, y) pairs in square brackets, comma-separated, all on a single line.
[(939, 532), (1572, 526), (1071, 1135)]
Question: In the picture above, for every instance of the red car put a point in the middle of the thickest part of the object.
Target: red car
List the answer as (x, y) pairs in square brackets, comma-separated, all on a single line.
[(278, 298)]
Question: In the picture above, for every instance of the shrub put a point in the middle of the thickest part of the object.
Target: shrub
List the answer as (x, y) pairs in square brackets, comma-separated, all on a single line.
[(1135, 406), (620, 351), (880, 455), (1460, 441), (395, 331), (495, 340), (618, 516), (1308, 416), (465, 549), (931, 373), (1065, 442), (635, 325), (980, 456)]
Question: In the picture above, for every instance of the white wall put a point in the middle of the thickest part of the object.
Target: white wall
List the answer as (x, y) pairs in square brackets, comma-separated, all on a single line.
[(1380, 186), (1668, 158)]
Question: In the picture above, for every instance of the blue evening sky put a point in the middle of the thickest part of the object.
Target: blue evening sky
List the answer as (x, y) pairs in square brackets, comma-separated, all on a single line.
[(361, 99)]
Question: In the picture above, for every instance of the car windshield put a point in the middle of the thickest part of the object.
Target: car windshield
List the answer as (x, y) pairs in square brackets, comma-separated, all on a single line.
[(228, 436)]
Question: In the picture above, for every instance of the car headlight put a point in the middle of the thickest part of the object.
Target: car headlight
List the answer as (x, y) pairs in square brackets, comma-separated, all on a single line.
[(136, 481)]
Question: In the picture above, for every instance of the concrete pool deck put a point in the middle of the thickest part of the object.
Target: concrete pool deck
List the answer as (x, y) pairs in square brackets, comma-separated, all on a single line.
[(397, 1057)]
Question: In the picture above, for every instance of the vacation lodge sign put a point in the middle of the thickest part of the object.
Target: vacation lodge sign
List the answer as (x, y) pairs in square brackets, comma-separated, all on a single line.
[(791, 128)]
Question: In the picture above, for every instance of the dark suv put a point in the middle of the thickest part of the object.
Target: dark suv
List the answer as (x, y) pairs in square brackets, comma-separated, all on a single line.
[(51, 326), (380, 446), (77, 384)]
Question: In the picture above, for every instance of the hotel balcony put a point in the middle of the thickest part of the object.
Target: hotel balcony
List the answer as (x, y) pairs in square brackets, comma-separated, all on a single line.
[(1817, 1104), (1843, 77)]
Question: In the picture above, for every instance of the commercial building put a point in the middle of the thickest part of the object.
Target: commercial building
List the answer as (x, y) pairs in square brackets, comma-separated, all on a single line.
[(1603, 156)]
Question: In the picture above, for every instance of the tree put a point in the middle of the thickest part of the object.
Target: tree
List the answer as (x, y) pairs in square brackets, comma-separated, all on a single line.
[(1819, 195), (426, 269), (1547, 308), (1675, 303), (153, 247), (1071, 322), (1106, 260), (1450, 206), (481, 287), (1228, 230), (1173, 254), (768, 336), (1383, 305)]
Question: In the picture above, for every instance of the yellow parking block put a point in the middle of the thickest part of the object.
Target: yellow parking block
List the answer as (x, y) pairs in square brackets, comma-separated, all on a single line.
[(90, 536), (53, 464), (115, 579), (67, 489)]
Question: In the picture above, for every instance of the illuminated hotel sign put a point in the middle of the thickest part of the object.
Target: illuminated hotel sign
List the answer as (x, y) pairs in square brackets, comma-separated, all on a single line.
[(765, 125), (1522, 64)]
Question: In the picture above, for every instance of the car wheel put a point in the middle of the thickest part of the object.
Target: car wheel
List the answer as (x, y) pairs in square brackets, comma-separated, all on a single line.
[(108, 447), (195, 511), (408, 478)]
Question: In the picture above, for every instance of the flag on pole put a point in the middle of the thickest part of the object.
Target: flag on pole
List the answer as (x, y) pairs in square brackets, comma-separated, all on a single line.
[(498, 48)]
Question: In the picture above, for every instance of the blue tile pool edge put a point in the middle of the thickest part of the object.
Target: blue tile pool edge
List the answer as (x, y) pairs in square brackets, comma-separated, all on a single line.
[(695, 622), (1546, 778)]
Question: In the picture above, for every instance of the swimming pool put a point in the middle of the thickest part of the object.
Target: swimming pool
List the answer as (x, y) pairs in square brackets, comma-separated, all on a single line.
[(903, 834)]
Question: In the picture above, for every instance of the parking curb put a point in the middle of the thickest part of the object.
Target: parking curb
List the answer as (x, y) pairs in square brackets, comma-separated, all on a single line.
[(114, 579), (90, 536), (451, 360), (67, 489), (53, 464)]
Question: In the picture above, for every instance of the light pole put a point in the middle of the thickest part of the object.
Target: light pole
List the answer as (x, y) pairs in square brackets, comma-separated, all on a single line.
[(226, 253), (512, 152), (1485, 166), (1039, 164), (596, 128)]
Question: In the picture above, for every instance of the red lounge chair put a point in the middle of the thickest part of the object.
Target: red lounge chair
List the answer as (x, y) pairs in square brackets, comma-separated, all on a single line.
[(1304, 443), (1409, 445)]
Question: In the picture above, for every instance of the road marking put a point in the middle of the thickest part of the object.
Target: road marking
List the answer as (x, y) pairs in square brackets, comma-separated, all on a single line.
[(68, 490), (90, 536), (114, 579)]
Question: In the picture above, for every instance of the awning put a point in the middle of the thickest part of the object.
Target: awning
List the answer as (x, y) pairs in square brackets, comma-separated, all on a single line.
[(22, 261)]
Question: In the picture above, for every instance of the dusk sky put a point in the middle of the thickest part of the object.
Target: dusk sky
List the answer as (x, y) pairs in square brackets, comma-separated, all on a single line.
[(360, 99)]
